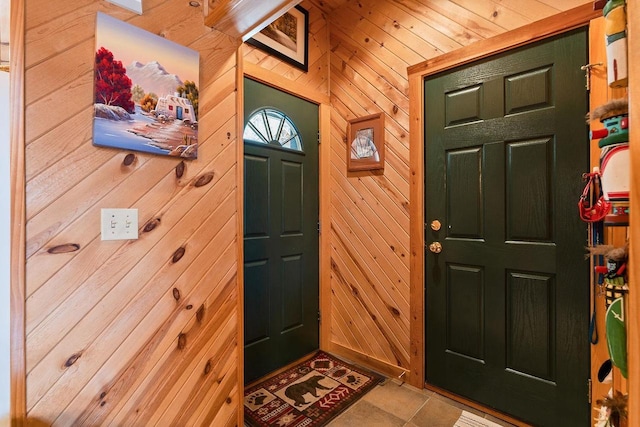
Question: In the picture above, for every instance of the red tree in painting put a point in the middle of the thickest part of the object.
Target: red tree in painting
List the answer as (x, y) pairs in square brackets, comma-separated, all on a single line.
[(112, 86)]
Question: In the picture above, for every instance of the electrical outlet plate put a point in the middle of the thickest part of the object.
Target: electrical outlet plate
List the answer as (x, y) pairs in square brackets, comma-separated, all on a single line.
[(119, 224)]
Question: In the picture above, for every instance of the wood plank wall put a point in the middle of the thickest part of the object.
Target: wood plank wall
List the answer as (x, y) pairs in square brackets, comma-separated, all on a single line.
[(128, 332), (372, 44), (107, 339)]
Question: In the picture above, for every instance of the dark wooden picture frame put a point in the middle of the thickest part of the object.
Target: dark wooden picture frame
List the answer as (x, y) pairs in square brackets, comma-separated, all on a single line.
[(287, 38), (365, 143)]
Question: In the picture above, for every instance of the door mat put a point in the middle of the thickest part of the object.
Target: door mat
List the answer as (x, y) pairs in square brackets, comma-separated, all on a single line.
[(467, 419), (309, 394)]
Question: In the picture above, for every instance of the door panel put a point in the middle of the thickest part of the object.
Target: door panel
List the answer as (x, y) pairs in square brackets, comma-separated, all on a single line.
[(281, 279), (507, 298)]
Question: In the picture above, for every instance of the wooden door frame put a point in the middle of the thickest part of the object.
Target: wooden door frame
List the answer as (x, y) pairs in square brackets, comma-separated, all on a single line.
[(17, 281), (540, 30), (276, 81)]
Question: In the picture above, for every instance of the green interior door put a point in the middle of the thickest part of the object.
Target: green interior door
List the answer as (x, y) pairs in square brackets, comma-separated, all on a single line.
[(507, 299), (280, 229)]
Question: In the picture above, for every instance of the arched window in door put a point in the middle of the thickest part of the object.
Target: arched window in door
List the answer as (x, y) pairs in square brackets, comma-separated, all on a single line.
[(273, 127)]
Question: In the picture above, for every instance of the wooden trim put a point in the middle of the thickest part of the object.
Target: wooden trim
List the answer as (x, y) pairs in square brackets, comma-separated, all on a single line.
[(472, 404), (633, 325), (557, 24), (283, 84), (240, 227), (18, 404), (361, 359), (416, 231), (325, 225)]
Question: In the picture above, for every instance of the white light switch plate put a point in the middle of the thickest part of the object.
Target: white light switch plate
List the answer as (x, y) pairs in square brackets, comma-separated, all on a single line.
[(119, 224)]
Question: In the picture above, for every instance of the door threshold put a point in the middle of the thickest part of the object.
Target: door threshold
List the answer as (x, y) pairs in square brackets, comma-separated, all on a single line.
[(476, 405), (284, 368)]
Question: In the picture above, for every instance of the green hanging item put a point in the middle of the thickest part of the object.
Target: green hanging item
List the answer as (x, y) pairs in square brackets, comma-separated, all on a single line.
[(617, 335)]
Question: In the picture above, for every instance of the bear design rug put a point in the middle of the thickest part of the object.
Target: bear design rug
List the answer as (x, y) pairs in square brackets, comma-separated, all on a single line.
[(309, 394)]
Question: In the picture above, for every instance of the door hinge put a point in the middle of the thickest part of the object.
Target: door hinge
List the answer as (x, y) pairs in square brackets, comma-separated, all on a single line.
[(319, 317), (319, 228), (318, 137), (589, 390)]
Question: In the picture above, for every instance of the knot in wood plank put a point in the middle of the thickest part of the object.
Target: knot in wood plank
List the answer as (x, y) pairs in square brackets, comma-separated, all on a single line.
[(151, 224), (64, 248), (182, 341), (73, 359), (204, 179), (176, 294), (178, 254), (180, 169), (129, 159), (200, 314), (207, 367)]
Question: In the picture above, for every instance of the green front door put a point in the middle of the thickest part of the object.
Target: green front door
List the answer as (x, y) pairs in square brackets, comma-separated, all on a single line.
[(280, 229), (507, 298)]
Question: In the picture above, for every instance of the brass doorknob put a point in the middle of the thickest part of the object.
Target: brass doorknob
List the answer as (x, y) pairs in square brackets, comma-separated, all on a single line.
[(435, 247), (435, 225)]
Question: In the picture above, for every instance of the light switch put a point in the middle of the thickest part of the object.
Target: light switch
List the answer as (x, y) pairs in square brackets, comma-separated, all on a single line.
[(119, 224)]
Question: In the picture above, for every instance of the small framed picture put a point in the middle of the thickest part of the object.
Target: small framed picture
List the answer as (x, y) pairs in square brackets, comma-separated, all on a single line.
[(365, 143)]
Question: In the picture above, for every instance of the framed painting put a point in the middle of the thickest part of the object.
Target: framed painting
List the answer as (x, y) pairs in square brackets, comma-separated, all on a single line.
[(286, 38), (145, 91), (365, 149)]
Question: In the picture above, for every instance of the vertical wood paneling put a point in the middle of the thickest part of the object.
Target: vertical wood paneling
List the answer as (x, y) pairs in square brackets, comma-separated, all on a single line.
[(119, 331), (372, 44)]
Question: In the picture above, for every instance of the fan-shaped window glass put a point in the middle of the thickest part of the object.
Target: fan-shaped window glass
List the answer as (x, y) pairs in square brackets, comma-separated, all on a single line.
[(269, 126)]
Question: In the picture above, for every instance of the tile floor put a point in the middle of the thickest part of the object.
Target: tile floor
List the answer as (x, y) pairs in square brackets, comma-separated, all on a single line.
[(393, 404)]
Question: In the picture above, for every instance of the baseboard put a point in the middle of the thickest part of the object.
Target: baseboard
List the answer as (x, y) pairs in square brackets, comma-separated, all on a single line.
[(372, 363)]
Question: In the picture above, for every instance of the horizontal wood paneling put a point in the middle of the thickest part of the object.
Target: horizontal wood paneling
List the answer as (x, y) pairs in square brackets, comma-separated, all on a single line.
[(121, 331), (372, 45)]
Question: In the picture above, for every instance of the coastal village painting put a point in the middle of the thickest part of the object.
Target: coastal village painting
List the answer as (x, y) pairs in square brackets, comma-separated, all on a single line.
[(145, 92)]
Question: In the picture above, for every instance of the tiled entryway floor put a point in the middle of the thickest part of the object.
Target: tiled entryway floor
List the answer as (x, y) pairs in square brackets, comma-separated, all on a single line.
[(393, 404)]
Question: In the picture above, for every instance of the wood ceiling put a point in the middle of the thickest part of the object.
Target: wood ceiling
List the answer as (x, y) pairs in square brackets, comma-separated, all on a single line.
[(243, 18)]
